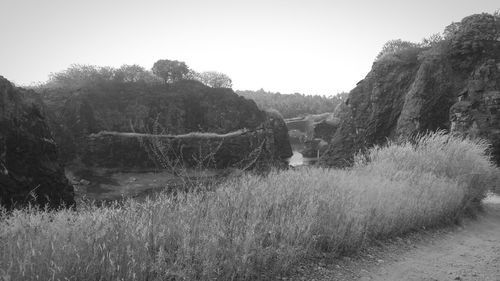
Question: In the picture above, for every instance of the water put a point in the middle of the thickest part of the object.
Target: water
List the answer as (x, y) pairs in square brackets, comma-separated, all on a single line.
[(298, 160), (492, 198)]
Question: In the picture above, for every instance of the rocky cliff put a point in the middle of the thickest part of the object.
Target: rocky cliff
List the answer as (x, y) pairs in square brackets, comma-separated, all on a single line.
[(453, 84), (29, 167), (112, 125)]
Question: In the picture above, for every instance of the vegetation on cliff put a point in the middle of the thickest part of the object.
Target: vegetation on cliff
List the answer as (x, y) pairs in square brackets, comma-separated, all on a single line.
[(164, 71), (252, 227)]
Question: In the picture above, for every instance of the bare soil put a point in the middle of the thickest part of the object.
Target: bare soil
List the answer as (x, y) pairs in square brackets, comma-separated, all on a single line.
[(107, 185), (469, 251)]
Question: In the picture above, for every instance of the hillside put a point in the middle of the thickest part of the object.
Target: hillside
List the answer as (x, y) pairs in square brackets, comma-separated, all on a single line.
[(449, 84)]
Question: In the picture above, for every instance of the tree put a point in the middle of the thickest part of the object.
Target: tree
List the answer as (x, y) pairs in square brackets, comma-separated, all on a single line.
[(170, 71), (396, 46), (294, 105), (215, 79), (432, 40), (130, 73), (451, 30), (80, 75)]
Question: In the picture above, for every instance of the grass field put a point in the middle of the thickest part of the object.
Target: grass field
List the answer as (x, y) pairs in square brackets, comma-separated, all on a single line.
[(252, 227)]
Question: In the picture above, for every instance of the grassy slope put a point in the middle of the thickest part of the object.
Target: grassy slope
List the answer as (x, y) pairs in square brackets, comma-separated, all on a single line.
[(252, 227)]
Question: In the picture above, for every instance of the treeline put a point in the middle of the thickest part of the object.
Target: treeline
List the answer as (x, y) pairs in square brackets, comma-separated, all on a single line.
[(294, 105), (163, 72)]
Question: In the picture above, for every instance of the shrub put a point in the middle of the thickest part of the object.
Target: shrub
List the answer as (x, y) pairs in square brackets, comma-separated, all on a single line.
[(398, 48)]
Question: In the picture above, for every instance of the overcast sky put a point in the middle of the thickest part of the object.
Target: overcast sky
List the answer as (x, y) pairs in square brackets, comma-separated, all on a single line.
[(309, 46)]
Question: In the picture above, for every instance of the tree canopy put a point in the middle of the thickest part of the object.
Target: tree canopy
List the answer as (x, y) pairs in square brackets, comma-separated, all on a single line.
[(166, 71), (79, 75), (294, 105), (170, 70), (215, 79), (134, 73), (395, 46)]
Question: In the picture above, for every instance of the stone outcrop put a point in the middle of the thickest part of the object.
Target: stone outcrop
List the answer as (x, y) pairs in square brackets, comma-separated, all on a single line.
[(452, 85), (313, 132), (111, 125), (29, 168)]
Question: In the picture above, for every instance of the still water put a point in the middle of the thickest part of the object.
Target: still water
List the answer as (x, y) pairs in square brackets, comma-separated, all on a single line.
[(298, 160)]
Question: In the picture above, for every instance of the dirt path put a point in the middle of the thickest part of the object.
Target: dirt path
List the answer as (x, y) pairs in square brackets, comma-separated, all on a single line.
[(469, 252)]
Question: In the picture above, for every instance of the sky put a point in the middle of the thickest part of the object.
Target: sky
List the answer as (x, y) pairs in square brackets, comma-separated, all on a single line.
[(309, 46)]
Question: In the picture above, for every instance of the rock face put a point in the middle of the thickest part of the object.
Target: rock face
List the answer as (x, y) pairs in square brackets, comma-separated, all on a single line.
[(29, 167), (313, 132), (477, 113), (323, 132), (452, 85), (244, 149), (112, 125)]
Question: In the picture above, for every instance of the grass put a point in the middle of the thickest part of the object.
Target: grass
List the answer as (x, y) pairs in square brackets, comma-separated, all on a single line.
[(252, 227)]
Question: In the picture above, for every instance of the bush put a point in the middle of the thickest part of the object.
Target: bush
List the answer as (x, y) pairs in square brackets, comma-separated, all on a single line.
[(252, 226), (398, 48)]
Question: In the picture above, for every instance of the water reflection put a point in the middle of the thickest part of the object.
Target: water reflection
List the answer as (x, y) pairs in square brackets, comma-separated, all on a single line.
[(298, 160)]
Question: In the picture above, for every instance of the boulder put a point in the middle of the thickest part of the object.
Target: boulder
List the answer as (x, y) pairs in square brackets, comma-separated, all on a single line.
[(30, 171)]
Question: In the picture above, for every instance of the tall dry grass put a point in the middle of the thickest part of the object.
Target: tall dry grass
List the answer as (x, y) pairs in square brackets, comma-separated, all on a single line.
[(251, 227)]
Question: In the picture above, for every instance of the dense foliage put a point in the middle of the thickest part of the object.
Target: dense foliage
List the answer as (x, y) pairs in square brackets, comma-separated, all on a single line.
[(170, 70), (214, 79), (77, 76), (396, 46), (294, 105)]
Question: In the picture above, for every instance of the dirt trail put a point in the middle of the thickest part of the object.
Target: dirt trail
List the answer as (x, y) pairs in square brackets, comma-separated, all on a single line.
[(469, 252)]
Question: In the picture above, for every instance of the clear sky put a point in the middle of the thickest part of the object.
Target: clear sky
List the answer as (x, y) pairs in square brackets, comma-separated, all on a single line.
[(308, 46)]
